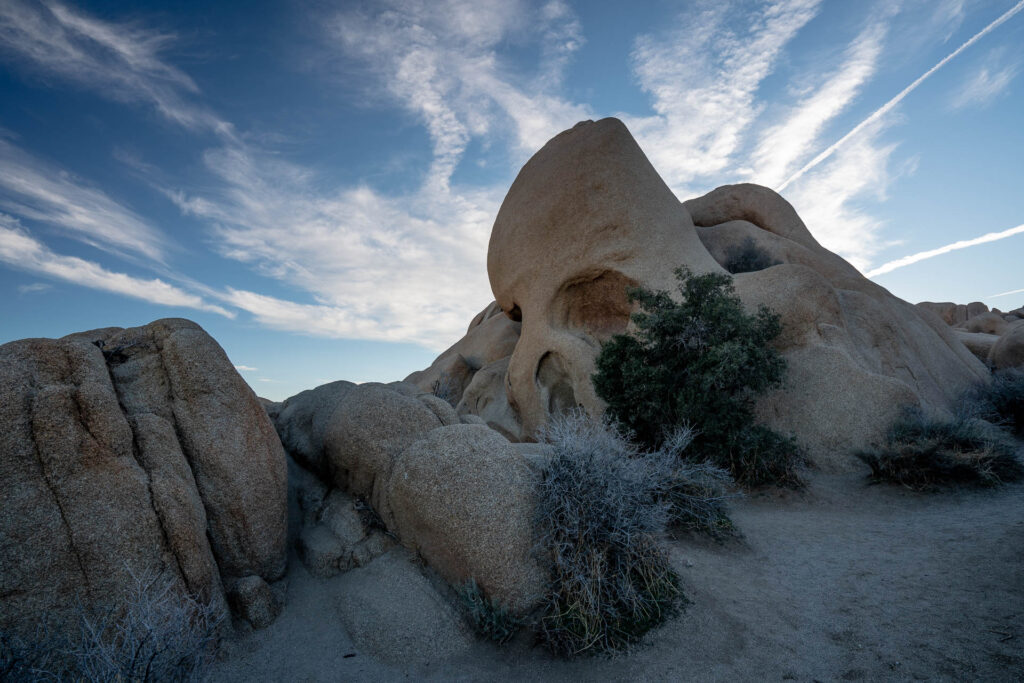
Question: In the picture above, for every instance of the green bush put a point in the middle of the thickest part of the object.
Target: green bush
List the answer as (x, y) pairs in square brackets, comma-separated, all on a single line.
[(924, 454), (1000, 401), (490, 619), (701, 362), (601, 520)]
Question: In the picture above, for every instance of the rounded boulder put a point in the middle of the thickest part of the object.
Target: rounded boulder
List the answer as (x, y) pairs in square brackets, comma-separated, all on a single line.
[(464, 498)]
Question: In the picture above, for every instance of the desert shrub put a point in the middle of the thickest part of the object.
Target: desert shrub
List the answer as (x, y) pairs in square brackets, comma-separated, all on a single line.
[(446, 388), (697, 493), (701, 361), (1000, 401), (746, 257), (489, 618), (600, 523), (923, 453), (30, 658), (603, 509), (156, 634)]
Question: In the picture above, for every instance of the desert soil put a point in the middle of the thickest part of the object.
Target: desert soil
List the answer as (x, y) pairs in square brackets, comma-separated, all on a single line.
[(845, 581)]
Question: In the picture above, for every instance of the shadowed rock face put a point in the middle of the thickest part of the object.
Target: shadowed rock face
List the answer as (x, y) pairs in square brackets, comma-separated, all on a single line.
[(1008, 352), (471, 373), (588, 216), (995, 337), (132, 451)]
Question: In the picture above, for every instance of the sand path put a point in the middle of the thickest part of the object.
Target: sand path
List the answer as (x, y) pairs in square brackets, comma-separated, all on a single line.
[(843, 582)]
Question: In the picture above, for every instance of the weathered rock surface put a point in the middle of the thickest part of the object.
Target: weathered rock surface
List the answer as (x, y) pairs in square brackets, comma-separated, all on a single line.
[(393, 613), (340, 536), (464, 498), (978, 343), (992, 336), (986, 323), (491, 337), (951, 313), (369, 430), (588, 216), (145, 451), (301, 421), (255, 601), (396, 462), (486, 398), (1008, 352)]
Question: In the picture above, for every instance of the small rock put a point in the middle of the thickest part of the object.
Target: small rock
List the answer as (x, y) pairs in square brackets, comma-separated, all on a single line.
[(255, 601)]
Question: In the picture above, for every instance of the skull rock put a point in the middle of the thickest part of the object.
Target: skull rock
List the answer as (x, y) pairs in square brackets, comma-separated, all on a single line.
[(589, 216)]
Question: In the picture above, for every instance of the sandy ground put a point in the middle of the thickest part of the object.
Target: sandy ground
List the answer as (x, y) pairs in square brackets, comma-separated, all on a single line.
[(843, 582)]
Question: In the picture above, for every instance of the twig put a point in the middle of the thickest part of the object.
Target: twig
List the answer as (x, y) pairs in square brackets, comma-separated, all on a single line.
[(1006, 636)]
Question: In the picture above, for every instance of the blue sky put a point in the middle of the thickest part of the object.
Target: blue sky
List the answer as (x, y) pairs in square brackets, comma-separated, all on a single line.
[(315, 183)]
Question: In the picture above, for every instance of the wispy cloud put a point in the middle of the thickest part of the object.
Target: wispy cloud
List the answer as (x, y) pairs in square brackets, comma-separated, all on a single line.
[(987, 83), (36, 190), (948, 16), (442, 61), (20, 250), (828, 200), (245, 368), (34, 288), (703, 79), (783, 145), (888, 106), (932, 253), (409, 268), (119, 61)]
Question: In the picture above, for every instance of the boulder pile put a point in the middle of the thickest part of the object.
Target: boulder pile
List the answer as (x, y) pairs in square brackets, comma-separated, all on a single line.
[(996, 338), (375, 462)]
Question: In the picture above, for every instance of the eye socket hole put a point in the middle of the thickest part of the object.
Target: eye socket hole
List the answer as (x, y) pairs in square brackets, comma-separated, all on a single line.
[(552, 376), (597, 303)]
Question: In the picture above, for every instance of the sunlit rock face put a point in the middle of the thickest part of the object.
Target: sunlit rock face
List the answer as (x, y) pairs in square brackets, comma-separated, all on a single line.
[(588, 216)]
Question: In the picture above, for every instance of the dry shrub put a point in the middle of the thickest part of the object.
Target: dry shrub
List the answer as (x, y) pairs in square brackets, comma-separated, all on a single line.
[(602, 514), (156, 634), (446, 388), (924, 453), (1000, 401)]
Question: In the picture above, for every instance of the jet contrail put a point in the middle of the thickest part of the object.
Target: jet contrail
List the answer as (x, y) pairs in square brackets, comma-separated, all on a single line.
[(881, 111), (962, 244), (1012, 291)]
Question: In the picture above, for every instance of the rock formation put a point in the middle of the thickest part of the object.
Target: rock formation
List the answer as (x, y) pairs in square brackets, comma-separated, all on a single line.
[(471, 374), (463, 498), (954, 314), (131, 451), (996, 338), (1008, 351), (588, 216), (379, 459)]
